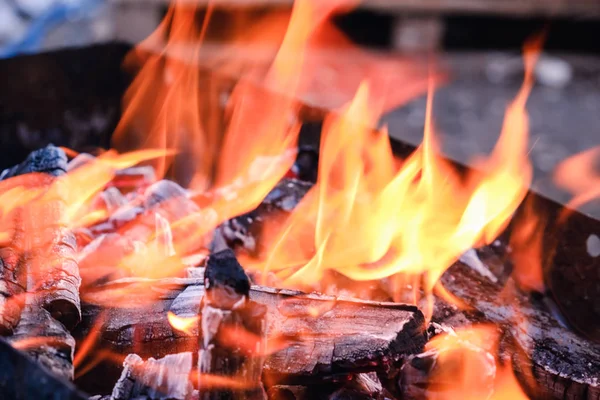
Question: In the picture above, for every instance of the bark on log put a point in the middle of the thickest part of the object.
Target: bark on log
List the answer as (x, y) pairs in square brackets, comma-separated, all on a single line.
[(311, 335), (21, 377)]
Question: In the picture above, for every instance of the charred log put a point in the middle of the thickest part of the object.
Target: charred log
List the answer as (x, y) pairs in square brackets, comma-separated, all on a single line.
[(359, 386), (49, 252), (165, 378), (21, 377), (49, 160), (227, 314), (246, 232), (41, 248), (563, 364), (311, 336), (45, 339), (136, 220), (549, 359)]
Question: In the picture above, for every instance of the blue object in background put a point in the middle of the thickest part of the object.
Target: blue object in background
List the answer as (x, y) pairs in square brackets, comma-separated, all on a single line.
[(60, 13)]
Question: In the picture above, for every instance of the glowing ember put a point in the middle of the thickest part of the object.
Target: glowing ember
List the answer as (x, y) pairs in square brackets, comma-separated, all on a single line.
[(183, 324), (466, 366)]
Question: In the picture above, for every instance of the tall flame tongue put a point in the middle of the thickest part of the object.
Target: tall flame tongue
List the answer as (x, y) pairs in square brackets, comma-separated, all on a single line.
[(366, 220), (174, 103), (259, 145)]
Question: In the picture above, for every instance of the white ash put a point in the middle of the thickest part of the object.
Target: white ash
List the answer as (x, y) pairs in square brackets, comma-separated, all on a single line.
[(471, 259)]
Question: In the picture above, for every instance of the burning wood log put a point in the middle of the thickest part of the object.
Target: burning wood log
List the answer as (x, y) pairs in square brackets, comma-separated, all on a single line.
[(42, 248), (21, 377), (137, 219), (309, 335), (49, 252), (232, 331), (360, 386), (166, 378), (45, 339), (48, 247), (562, 363), (247, 231), (13, 284), (549, 359)]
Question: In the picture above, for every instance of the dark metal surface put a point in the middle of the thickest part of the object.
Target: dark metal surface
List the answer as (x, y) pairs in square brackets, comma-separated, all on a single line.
[(68, 97)]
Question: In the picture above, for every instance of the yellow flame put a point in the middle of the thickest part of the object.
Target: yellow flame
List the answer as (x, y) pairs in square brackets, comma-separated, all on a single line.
[(183, 324)]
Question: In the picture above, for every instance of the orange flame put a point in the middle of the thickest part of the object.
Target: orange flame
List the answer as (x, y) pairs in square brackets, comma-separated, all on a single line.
[(467, 367), (527, 253), (367, 221), (183, 324), (580, 176)]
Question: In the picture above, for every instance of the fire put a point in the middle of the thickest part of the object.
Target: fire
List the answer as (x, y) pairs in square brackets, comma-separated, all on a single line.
[(466, 366), (183, 324), (367, 220), (527, 253), (368, 217), (170, 105), (579, 175)]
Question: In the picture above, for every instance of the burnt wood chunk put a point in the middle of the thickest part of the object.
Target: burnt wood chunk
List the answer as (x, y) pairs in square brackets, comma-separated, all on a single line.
[(359, 386), (45, 339), (165, 378), (309, 335), (232, 332), (21, 377), (49, 160), (286, 392), (246, 232)]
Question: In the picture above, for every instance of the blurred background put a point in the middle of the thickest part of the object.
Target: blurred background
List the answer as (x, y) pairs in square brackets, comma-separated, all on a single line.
[(61, 63)]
